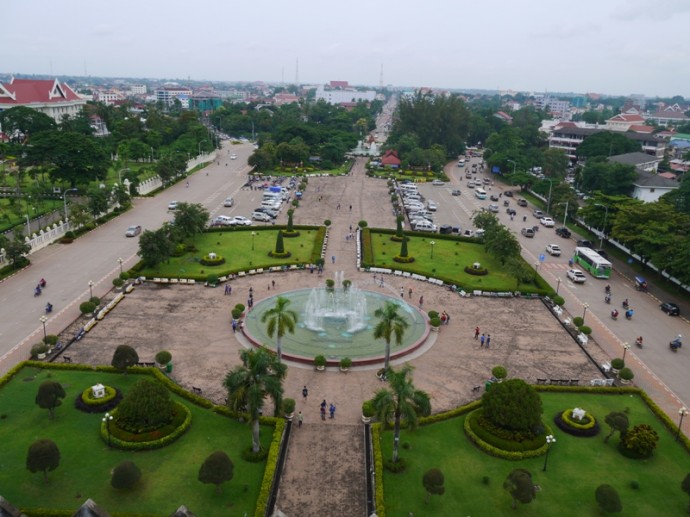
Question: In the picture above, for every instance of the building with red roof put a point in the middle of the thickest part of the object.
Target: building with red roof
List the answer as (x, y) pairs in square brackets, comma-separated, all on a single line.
[(390, 158), (48, 96)]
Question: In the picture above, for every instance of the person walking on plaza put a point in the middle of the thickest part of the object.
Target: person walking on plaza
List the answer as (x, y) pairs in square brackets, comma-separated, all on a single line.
[(476, 332), (488, 340), (409, 293), (421, 301), (323, 412), (300, 417), (402, 293), (331, 410), (305, 393), (481, 341)]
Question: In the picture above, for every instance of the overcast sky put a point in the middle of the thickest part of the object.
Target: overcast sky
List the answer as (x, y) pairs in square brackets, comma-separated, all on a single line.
[(616, 47)]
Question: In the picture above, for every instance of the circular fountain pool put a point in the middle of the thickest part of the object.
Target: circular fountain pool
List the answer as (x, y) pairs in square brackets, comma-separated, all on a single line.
[(336, 323)]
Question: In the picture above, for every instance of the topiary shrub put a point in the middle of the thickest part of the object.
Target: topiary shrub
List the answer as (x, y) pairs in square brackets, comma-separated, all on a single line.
[(608, 499), (578, 321), (559, 300), (212, 280), (88, 404), (212, 260), (345, 363), (368, 409), (327, 223), (479, 271), (125, 476), (95, 300), (146, 407), (435, 322), (639, 442), (50, 340), (626, 374), (587, 427), (585, 330), (617, 363), (118, 282), (39, 349), (432, 314), (395, 467), (236, 313), (320, 361), (362, 224), (403, 260), (288, 406), (499, 372), (513, 405), (87, 307), (163, 357)]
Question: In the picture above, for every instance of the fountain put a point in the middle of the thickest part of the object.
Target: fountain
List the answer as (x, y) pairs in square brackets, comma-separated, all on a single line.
[(339, 305), (336, 323)]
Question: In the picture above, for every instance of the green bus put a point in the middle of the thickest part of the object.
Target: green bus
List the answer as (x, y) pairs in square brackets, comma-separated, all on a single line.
[(590, 260)]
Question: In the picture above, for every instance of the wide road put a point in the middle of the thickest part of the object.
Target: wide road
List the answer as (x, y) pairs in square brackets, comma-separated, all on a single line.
[(94, 256), (655, 361)]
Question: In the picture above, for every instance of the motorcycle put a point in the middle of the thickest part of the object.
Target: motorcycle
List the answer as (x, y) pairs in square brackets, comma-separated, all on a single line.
[(626, 304), (629, 314), (607, 298), (638, 342), (676, 344), (607, 289), (49, 308), (37, 291), (42, 283), (614, 314)]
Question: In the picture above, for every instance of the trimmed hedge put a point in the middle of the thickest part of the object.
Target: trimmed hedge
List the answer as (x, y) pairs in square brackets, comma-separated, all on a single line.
[(272, 460), (98, 405), (88, 398), (501, 453), (565, 424), (378, 469), (208, 261)]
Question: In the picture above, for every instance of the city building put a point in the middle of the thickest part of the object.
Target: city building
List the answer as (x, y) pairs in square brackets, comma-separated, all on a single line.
[(649, 187), (568, 138), (339, 96), (167, 95), (48, 96), (643, 162), (137, 89)]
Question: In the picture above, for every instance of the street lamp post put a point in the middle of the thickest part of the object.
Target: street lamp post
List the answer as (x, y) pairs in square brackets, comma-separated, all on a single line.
[(584, 312), (64, 199), (606, 214), (253, 235), (44, 319), (514, 164), (432, 248), (199, 153), (550, 439), (682, 412), (565, 216), (91, 284), (626, 347), (548, 202), (106, 420), (558, 286), (120, 261)]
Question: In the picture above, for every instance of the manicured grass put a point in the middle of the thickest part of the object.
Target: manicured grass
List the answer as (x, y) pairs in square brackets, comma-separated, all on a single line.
[(576, 466), (14, 212), (236, 247), (169, 475), (450, 257)]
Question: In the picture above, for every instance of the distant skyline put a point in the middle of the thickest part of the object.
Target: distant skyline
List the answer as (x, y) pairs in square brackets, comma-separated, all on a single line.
[(616, 47)]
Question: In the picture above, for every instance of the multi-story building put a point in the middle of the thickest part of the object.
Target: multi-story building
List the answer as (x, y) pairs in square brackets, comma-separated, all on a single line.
[(340, 96), (137, 89), (50, 96), (168, 94), (569, 138)]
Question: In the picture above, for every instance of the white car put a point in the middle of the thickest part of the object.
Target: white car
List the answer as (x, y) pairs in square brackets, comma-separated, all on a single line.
[(172, 205), (431, 205), (438, 183), (553, 249), (577, 276), (493, 208), (238, 220), (547, 221), (261, 216), (233, 156), (228, 201)]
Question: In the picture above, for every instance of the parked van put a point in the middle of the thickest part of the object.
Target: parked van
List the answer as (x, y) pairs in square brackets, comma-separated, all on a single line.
[(424, 226), (480, 193), (221, 220), (408, 188), (413, 197)]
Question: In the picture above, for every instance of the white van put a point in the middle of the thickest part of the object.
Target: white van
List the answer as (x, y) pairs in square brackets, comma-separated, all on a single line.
[(424, 226), (412, 197), (408, 188), (480, 193)]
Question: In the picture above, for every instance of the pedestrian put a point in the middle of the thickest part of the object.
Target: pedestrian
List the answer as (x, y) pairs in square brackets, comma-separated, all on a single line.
[(476, 332), (447, 317), (300, 417), (350, 228), (333, 259), (273, 283), (323, 404), (481, 341), (311, 269), (402, 292), (350, 208), (381, 284), (338, 207), (488, 340), (305, 393), (409, 293), (187, 185), (229, 290), (269, 287), (226, 289), (331, 410), (421, 302), (234, 326), (323, 413)]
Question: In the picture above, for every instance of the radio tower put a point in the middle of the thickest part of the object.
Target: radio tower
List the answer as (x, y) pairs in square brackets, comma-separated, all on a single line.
[(297, 72), (381, 77)]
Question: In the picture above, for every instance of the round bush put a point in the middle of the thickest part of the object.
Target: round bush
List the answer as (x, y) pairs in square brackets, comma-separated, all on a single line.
[(146, 407), (250, 456), (88, 398), (514, 405), (578, 321), (626, 374), (91, 405), (396, 467), (403, 260), (217, 260), (87, 307), (435, 322), (617, 363), (125, 476), (163, 357), (585, 330), (182, 420), (559, 300), (50, 340), (480, 271), (587, 428), (118, 282)]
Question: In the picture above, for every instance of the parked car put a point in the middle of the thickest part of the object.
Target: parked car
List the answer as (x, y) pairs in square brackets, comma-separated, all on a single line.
[(438, 183), (261, 216), (547, 221), (238, 220), (424, 226), (486, 181), (221, 220), (511, 211), (563, 232), (522, 202), (493, 208), (577, 276), (233, 156), (553, 250), (431, 205), (527, 232), (468, 233), (538, 214), (133, 231), (493, 197), (445, 229), (670, 308), (456, 192), (583, 243), (228, 201), (508, 193), (172, 205)]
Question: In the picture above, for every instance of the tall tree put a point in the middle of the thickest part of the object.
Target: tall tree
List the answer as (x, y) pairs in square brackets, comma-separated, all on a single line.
[(216, 469), (605, 144), (520, 486), (21, 123), (124, 357), (190, 219), (433, 483), (607, 177), (390, 324), (259, 376), (401, 402), (280, 320), (155, 247), (618, 422), (49, 396), (43, 456)]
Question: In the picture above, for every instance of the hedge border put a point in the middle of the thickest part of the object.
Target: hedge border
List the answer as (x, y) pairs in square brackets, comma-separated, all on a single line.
[(378, 470), (271, 462)]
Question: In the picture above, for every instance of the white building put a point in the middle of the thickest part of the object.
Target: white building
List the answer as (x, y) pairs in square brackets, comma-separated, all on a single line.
[(137, 89), (50, 96), (343, 96), (168, 94)]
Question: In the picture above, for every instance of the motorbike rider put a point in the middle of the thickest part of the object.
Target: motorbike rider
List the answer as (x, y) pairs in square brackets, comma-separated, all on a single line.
[(629, 313), (607, 298), (49, 307), (607, 289), (614, 314), (676, 343), (37, 291), (42, 283), (625, 304), (639, 341)]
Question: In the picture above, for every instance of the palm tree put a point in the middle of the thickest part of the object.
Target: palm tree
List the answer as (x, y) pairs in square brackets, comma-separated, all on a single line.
[(259, 376), (401, 401), (390, 323), (282, 319)]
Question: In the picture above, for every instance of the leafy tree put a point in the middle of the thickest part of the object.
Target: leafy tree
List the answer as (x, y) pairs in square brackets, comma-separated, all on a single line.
[(190, 219), (259, 376), (523, 179), (554, 163), (401, 401), (124, 357), (641, 439), (216, 469), (520, 486), (155, 247), (618, 422), (514, 405), (43, 456), (97, 202), (605, 144), (518, 268), (433, 483), (20, 122), (685, 487), (280, 245), (125, 476), (16, 250), (487, 221), (503, 244), (280, 320), (680, 197), (50, 395), (608, 177), (390, 324), (403, 247), (146, 406), (608, 499)]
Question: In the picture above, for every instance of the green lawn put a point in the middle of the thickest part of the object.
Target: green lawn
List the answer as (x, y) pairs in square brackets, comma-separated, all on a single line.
[(450, 256), (241, 252), (576, 466), (169, 475)]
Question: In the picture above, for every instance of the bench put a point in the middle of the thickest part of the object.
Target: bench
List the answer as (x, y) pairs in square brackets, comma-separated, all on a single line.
[(554, 382), (66, 358), (574, 382), (541, 381), (196, 391)]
